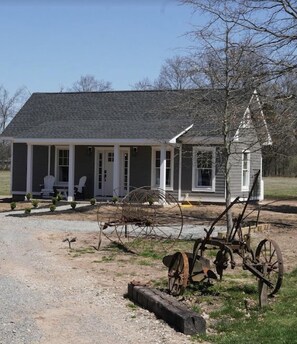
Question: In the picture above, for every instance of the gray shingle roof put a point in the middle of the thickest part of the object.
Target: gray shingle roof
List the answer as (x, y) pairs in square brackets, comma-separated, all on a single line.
[(159, 115)]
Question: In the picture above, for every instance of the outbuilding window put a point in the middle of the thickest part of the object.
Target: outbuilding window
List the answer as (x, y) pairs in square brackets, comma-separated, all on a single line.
[(245, 185)]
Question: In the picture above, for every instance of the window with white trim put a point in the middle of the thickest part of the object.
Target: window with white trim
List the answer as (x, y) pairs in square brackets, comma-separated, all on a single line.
[(245, 185), (203, 176), (156, 168), (62, 165)]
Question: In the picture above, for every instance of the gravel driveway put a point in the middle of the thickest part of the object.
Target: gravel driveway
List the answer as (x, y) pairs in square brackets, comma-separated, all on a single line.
[(45, 300)]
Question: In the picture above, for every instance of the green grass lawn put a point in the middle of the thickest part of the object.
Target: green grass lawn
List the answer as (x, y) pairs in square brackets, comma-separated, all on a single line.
[(275, 187), (4, 182), (235, 324), (280, 188)]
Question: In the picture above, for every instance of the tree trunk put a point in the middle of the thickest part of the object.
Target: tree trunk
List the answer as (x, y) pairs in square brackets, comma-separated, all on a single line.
[(229, 220)]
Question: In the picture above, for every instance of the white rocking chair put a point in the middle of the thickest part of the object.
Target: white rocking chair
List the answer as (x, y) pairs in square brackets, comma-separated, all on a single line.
[(79, 189), (48, 186)]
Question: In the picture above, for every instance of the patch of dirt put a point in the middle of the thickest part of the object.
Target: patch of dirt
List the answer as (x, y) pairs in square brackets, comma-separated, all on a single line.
[(114, 268), (119, 267), (280, 215)]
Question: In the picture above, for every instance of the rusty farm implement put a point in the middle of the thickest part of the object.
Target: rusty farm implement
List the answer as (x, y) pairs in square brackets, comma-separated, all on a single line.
[(266, 262), (143, 220)]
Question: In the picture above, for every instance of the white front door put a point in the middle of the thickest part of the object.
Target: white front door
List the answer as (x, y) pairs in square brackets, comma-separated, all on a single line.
[(104, 172), (108, 173)]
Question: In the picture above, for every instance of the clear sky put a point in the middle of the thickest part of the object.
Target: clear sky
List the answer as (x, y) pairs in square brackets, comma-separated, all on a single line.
[(47, 44)]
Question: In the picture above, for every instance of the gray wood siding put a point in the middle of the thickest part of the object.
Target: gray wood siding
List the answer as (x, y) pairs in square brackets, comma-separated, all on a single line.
[(19, 169), (175, 168), (187, 168), (247, 141), (84, 166), (40, 162), (220, 174), (40, 166), (236, 170), (53, 159), (256, 165), (140, 166), (186, 184)]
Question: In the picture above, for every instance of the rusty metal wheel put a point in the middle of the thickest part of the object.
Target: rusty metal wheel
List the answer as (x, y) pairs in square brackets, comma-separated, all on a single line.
[(144, 220), (268, 253), (178, 274)]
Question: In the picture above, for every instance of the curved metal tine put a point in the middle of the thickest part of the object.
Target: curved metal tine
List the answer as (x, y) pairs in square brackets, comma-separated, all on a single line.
[(148, 222), (160, 232)]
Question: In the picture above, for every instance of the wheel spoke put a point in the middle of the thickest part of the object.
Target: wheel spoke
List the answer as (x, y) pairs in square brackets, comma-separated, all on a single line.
[(269, 254), (151, 216), (178, 273)]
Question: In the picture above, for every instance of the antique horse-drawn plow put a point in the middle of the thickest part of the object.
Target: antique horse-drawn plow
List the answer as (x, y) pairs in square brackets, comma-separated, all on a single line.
[(148, 217), (265, 262)]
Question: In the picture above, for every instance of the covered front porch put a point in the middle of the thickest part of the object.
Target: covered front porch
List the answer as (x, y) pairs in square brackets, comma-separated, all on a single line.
[(111, 169)]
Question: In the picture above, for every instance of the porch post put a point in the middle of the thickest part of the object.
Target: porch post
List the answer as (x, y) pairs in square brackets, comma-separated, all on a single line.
[(71, 173), (163, 168), (179, 173), (11, 167), (49, 161), (116, 170), (29, 168)]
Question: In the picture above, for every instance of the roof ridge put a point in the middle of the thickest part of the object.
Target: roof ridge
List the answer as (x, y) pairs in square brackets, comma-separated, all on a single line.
[(135, 91)]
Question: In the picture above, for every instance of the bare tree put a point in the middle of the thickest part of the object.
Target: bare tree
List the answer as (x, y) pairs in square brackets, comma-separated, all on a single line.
[(280, 160), (88, 83), (274, 22), (229, 61), (144, 84), (176, 73), (9, 105), (270, 23)]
